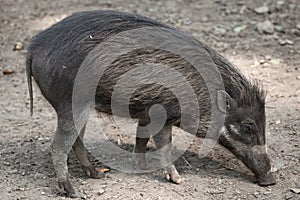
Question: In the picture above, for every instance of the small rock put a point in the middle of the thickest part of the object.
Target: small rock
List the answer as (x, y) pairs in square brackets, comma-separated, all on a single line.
[(231, 10), (204, 19), (187, 22), (267, 193), (20, 189), (295, 190), (239, 29), (83, 183), (243, 9), (296, 32), (266, 64), (298, 26), (38, 176), (278, 28), (275, 61), (283, 42), (219, 30), (6, 163), (216, 191), (266, 27), (262, 9), (279, 4), (298, 77), (289, 41), (262, 61), (42, 193), (18, 46), (100, 192), (240, 3), (256, 194)]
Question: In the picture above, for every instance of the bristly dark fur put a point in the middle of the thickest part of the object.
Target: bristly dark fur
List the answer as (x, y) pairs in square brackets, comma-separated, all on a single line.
[(246, 91)]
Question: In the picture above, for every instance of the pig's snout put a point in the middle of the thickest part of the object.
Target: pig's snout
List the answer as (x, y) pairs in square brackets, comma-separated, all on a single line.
[(261, 166), (266, 180)]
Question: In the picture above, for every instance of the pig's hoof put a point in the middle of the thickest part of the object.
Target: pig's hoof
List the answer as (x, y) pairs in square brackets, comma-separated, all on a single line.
[(175, 178), (140, 162), (171, 174), (92, 172), (68, 189)]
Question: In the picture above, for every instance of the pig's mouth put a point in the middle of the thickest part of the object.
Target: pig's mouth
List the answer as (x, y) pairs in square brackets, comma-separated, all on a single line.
[(259, 164), (266, 179)]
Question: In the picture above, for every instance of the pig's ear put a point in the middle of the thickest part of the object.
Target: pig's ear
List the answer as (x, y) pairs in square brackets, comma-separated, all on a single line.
[(224, 101)]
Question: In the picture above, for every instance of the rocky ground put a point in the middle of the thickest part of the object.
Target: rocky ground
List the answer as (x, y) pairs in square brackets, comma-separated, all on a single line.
[(261, 37)]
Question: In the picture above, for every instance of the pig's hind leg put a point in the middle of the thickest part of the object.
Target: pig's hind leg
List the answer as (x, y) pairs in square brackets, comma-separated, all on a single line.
[(65, 136), (82, 155), (163, 142)]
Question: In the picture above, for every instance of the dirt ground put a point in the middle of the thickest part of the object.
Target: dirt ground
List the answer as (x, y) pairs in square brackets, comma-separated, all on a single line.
[(269, 52)]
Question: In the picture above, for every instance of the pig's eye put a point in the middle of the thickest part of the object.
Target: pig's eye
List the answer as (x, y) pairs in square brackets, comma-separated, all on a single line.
[(246, 128)]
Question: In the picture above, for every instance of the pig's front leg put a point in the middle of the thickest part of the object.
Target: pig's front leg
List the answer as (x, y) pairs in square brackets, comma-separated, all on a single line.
[(142, 138), (163, 142)]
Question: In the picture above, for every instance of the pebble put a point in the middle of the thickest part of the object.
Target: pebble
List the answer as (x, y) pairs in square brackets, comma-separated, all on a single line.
[(283, 42), (100, 192), (262, 9), (21, 189), (295, 190), (256, 194), (187, 22), (266, 27), (6, 163), (239, 29), (298, 26), (262, 61), (205, 19), (83, 183), (219, 30), (275, 61), (278, 28), (243, 9), (18, 46), (279, 4)]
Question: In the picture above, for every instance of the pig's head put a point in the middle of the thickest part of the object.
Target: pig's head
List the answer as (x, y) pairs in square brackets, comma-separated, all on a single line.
[(244, 133)]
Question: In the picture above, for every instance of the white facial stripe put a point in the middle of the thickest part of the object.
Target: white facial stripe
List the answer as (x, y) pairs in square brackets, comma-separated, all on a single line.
[(233, 129), (225, 133)]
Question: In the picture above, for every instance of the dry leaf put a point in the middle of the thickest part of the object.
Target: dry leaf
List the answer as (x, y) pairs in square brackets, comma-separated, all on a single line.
[(8, 71), (103, 169)]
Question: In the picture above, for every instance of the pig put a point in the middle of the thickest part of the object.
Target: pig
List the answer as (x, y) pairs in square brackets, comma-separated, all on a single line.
[(56, 55)]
